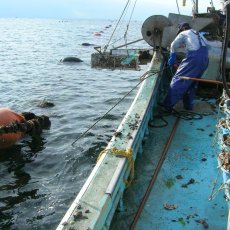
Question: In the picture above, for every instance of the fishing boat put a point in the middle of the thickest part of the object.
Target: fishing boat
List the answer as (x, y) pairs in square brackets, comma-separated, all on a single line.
[(166, 170)]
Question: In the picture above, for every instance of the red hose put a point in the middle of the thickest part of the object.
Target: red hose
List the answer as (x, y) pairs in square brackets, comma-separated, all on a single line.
[(152, 181)]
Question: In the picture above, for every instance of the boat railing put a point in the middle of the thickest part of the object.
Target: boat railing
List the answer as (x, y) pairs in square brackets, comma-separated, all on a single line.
[(102, 192)]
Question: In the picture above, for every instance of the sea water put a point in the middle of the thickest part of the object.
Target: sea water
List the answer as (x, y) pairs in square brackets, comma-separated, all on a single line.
[(40, 177)]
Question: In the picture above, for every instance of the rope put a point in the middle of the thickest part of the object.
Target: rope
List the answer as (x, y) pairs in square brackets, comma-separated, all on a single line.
[(116, 42), (130, 19), (222, 186), (105, 48), (214, 185), (124, 153), (177, 7), (142, 78), (187, 115)]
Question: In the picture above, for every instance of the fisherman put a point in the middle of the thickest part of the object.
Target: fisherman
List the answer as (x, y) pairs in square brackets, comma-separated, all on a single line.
[(193, 65)]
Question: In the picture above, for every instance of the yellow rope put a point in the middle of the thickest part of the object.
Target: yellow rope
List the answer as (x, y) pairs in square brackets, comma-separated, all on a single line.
[(125, 153)]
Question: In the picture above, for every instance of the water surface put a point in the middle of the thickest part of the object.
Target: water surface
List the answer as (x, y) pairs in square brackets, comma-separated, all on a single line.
[(40, 177)]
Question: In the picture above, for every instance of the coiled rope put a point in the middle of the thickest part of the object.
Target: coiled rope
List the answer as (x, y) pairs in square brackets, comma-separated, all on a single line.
[(187, 115)]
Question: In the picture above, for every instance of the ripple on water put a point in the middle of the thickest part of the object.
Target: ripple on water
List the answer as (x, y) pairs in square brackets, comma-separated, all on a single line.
[(41, 176)]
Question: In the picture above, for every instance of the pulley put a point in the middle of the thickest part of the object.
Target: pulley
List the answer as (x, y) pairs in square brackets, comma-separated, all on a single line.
[(152, 29)]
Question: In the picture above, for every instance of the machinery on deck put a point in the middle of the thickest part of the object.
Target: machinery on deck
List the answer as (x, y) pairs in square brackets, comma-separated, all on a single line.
[(115, 166), (159, 31)]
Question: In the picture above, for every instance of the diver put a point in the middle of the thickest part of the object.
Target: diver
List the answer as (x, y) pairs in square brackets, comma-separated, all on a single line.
[(193, 65)]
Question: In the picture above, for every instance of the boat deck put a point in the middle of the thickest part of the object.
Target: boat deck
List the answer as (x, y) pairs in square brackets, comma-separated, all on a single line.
[(179, 198)]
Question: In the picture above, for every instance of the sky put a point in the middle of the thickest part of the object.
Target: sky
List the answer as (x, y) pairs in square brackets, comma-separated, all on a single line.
[(95, 9)]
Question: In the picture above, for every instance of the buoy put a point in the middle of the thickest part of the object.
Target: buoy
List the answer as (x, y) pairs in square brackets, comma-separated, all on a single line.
[(97, 34), (71, 59), (13, 126), (87, 44), (8, 116)]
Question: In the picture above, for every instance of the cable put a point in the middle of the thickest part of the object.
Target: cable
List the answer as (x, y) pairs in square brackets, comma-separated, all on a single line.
[(183, 114), (105, 48), (177, 7), (187, 115), (146, 75), (224, 50), (143, 77), (130, 19)]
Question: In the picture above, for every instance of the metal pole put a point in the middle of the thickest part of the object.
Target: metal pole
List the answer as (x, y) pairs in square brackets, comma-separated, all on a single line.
[(203, 80), (128, 43)]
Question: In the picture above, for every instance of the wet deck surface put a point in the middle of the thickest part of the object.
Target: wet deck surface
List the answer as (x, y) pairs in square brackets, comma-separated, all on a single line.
[(184, 181)]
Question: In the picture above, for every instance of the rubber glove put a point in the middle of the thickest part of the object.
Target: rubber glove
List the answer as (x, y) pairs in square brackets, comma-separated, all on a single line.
[(172, 59)]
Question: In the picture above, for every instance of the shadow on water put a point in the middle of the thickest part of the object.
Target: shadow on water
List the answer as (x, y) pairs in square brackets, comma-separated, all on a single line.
[(14, 178)]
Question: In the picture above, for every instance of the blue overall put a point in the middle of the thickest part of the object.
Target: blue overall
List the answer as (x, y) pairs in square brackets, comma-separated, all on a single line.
[(193, 66)]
